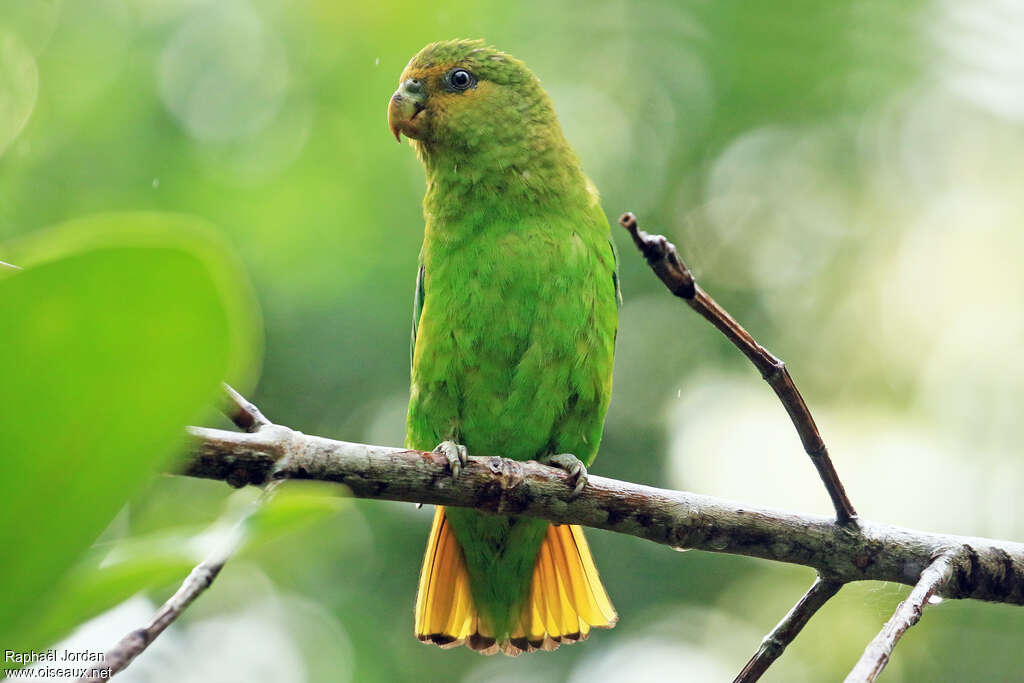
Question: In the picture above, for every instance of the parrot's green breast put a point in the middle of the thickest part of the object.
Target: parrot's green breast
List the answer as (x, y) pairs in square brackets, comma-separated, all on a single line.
[(513, 353)]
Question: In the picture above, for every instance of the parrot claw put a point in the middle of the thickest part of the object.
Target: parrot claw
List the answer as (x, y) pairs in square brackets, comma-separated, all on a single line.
[(574, 466), (456, 455)]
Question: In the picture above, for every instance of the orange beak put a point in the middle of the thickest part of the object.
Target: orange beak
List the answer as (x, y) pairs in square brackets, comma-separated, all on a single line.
[(405, 105)]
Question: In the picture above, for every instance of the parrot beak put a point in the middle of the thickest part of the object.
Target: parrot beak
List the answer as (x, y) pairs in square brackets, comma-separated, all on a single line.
[(405, 105)]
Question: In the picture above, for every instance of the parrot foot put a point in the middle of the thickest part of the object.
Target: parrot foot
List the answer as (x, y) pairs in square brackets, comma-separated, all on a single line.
[(456, 455), (574, 466)]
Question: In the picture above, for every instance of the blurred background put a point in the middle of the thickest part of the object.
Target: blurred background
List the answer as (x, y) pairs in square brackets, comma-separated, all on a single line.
[(844, 177)]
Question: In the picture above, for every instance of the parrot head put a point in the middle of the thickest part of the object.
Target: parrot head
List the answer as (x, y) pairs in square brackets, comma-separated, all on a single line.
[(463, 94)]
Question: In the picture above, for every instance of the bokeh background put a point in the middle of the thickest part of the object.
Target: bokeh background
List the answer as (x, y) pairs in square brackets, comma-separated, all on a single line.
[(845, 177)]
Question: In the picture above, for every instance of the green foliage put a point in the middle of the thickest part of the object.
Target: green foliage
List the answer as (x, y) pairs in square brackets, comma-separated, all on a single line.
[(114, 571), (87, 591), (293, 508), (117, 333)]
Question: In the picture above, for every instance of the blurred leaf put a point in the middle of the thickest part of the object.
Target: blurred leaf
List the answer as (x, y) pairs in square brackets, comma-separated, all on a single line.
[(197, 240), (139, 563), (19, 85), (800, 60), (294, 507), (187, 541), (32, 22), (116, 335), (88, 592)]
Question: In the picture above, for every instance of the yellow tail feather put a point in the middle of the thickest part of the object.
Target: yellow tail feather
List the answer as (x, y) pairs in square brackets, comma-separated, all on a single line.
[(566, 596)]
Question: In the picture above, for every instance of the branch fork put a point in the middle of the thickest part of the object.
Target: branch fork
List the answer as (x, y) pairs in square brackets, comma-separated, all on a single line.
[(664, 260)]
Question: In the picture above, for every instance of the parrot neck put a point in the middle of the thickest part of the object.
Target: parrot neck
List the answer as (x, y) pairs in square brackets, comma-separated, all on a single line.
[(501, 182)]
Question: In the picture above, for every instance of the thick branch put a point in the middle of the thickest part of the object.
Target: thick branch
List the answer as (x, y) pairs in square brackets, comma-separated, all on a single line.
[(908, 613), (993, 570), (664, 260), (789, 628)]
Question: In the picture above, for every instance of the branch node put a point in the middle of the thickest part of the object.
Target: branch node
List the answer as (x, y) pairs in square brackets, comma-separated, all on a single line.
[(662, 257), (820, 451), (508, 472), (775, 370), (281, 470), (244, 414)]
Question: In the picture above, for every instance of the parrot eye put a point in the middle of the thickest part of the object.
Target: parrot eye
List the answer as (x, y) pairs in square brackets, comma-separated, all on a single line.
[(460, 79)]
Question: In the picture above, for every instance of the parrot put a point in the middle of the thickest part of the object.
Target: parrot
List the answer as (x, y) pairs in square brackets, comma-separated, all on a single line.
[(514, 328)]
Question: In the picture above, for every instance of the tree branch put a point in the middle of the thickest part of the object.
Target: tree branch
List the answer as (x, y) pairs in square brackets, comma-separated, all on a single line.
[(132, 645), (871, 550), (664, 260), (243, 413), (876, 655), (789, 628)]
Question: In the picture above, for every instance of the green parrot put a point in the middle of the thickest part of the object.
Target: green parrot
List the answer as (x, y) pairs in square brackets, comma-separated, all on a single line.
[(516, 309)]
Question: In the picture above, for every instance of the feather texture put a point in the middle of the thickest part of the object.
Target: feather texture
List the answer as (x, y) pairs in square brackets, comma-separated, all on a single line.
[(565, 601)]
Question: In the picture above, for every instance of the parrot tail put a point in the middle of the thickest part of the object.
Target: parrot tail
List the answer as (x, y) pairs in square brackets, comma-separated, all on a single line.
[(566, 597)]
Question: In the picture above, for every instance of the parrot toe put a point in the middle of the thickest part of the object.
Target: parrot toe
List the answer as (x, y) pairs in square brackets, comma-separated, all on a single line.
[(456, 455), (574, 466)]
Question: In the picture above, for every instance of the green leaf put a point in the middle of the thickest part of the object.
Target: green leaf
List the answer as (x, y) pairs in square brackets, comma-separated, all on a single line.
[(132, 565), (114, 337), (88, 592), (295, 506)]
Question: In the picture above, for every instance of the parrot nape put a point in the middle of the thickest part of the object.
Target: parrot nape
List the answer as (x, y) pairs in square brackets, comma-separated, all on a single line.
[(514, 326)]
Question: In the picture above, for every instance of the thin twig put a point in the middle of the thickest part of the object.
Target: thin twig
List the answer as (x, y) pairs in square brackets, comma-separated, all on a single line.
[(4, 264), (684, 520), (908, 613), (199, 579), (664, 260), (243, 413), (783, 634)]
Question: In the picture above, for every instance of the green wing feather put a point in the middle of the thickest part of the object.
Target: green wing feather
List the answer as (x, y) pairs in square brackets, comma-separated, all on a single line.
[(615, 276), (417, 309)]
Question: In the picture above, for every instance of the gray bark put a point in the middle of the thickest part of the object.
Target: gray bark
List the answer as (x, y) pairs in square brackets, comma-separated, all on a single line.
[(985, 569)]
